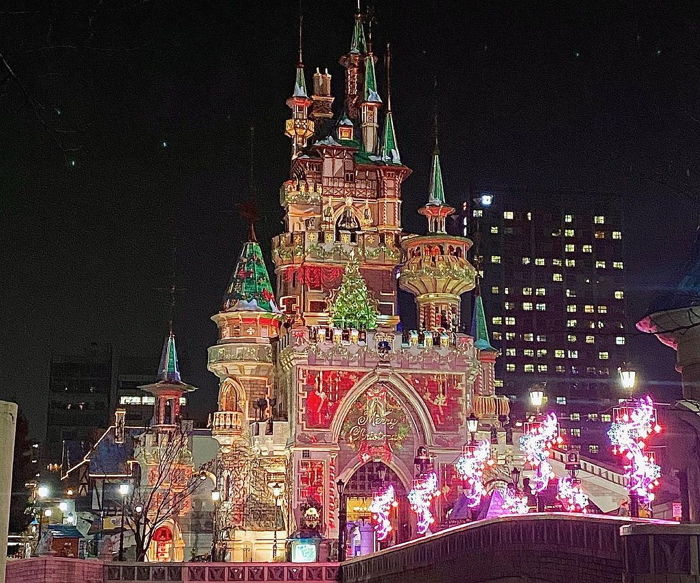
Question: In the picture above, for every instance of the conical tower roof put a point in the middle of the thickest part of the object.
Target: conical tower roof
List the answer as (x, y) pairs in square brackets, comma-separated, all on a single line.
[(389, 149), (169, 369), (371, 94), (479, 330), (249, 289), (358, 45), (436, 191)]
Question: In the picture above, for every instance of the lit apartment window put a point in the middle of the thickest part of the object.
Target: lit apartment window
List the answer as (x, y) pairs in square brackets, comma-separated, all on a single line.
[(495, 258), (540, 307), (129, 400), (541, 352), (557, 277), (477, 213), (571, 323), (556, 233), (599, 220), (541, 338), (619, 295), (529, 216), (542, 368), (575, 416), (529, 337), (601, 324), (559, 353), (529, 352), (570, 293), (510, 335), (568, 233), (590, 339), (603, 356), (600, 264), (529, 368), (563, 431), (620, 340), (573, 354), (568, 218), (571, 308), (593, 448), (575, 432), (510, 367), (526, 261), (560, 368), (497, 320), (587, 248), (593, 416), (506, 290), (527, 306), (618, 265), (561, 400), (508, 215), (599, 235), (510, 352), (510, 321), (539, 261), (509, 305), (617, 234), (589, 308), (571, 337), (494, 289), (498, 383), (570, 263), (556, 262), (527, 291), (497, 336), (494, 229), (569, 248), (602, 309), (540, 291), (606, 417)]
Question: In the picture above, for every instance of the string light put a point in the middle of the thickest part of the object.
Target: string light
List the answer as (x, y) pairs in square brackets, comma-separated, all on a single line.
[(571, 496), (470, 466), (536, 443), (421, 495), (381, 505), (633, 424), (513, 503)]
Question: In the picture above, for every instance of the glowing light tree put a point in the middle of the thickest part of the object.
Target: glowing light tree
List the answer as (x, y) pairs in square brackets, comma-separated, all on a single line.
[(536, 443), (571, 496), (381, 506), (513, 502), (425, 488), (470, 466), (633, 424)]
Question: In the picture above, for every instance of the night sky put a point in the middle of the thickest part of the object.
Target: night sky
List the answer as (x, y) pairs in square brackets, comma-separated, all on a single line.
[(146, 110)]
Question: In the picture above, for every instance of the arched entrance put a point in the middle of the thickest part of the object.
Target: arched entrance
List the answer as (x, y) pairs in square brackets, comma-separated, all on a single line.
[(359, 491), (166, 544)]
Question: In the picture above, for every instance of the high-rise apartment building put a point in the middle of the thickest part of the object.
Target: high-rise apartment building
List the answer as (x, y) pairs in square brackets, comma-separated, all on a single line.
[(553, 287)]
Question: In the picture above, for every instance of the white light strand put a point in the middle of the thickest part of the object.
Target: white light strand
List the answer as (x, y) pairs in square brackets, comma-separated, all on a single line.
[(420, 497), (470, 467), (513, 503), (380, 507), (571, 496), (536, 445)]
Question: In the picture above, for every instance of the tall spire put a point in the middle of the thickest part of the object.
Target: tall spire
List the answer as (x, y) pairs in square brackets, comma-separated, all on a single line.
[(168, 369), (479, 329), (358, 44), (300, 80), (436, 191), (389, 149)]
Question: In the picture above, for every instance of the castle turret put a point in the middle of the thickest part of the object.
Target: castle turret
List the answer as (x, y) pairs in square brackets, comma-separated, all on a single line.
[(369, 109), (300, 127), (389, 147), (352, 61)]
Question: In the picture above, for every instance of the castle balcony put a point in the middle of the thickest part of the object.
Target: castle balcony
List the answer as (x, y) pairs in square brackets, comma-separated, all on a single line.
[(367, 246), (410, 350), (226, 423)]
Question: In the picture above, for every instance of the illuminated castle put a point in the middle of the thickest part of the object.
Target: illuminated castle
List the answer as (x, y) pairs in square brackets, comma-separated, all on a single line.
[(316, 383)]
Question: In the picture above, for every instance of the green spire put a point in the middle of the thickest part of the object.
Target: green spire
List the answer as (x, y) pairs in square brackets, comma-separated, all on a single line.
[(480, 331), (300, 82), (371, 93), (358, 44), (249, 289), (436, 194), (168, 370), (390, 148), (352, 306)]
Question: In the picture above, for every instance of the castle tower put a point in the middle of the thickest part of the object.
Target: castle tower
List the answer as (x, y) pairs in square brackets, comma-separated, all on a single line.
[(436, 269), (168, 390), (300, 127), (353, 63), (369, 109)]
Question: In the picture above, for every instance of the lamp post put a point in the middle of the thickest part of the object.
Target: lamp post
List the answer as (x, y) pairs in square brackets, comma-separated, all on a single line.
[(124, 490), (515, 477), (277, 489), (472, 427), (537, 396), (628, 376), (41, 492), (215, 498), (342, 520)]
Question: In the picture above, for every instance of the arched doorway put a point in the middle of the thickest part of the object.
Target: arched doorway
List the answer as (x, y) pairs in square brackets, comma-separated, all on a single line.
[(359, 491), (166, 544)]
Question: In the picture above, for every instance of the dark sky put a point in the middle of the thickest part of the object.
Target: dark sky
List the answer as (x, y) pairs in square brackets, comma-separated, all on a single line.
[(600, 95)]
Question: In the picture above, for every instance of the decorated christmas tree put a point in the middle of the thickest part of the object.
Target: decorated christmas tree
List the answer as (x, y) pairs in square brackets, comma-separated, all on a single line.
[(352, 306), (250, 288)]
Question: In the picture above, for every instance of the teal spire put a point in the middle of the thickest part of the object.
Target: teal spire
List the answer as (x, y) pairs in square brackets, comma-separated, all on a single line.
[(436, 193), (358, 44), (390, 148), (300, 82), (480, 330), (371, 94), (168, 370)]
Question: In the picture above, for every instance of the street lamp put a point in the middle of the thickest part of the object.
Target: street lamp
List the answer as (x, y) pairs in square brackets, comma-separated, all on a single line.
[(515, 477), (537, 396), (342, 519), (472, 426), (41, 492), (628, 376), (277, 489), (215, 498), (124, 490)]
